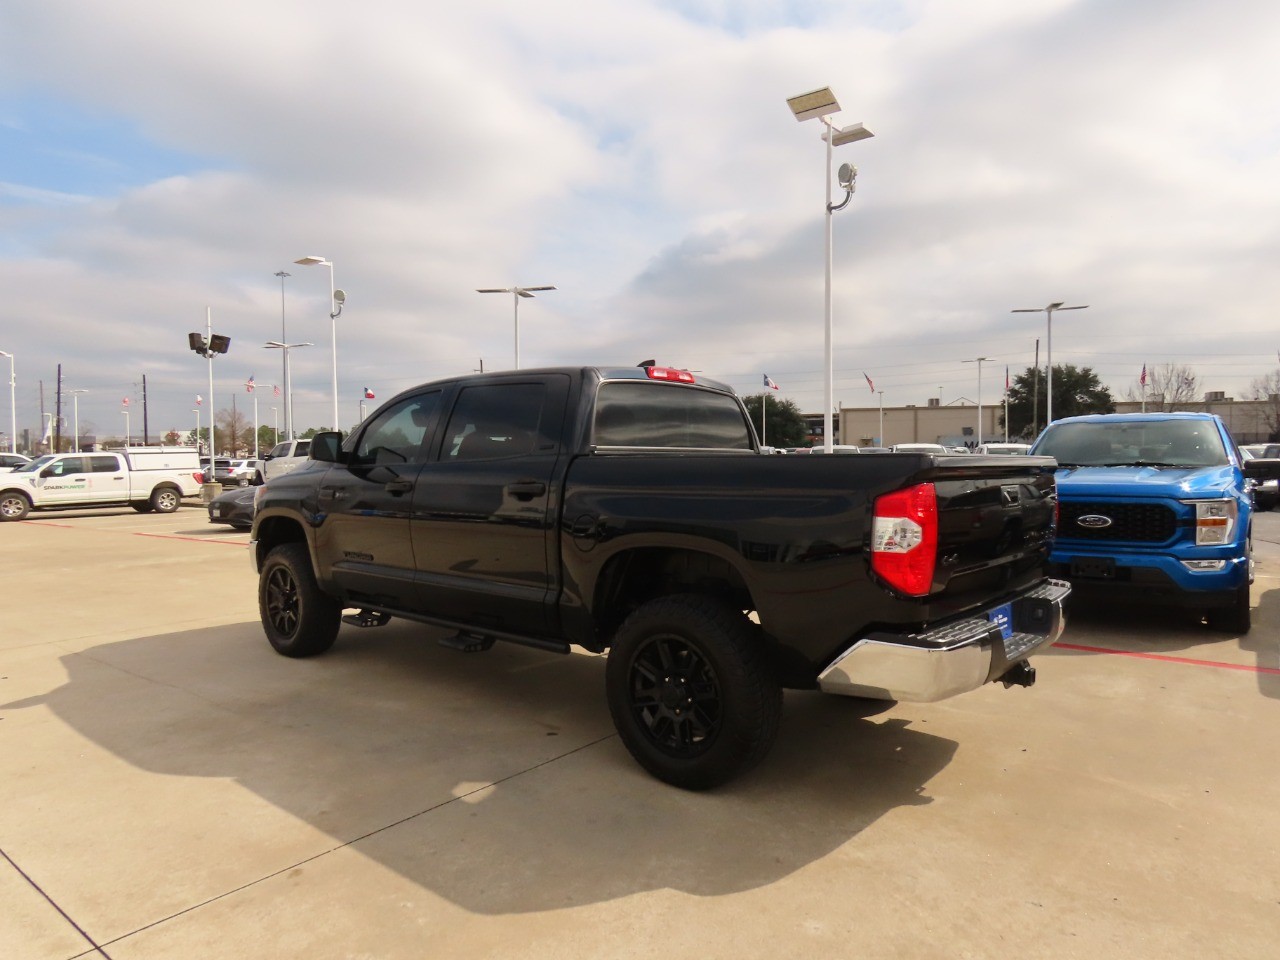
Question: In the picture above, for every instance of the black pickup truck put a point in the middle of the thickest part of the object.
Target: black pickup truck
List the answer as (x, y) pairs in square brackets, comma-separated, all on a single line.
[(631, 510)]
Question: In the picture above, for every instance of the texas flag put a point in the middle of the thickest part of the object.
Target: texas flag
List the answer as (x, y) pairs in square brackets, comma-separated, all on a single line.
[(368, 394), (249, 384), (199, 399), (124, 401), (768, 382), (869, 383)]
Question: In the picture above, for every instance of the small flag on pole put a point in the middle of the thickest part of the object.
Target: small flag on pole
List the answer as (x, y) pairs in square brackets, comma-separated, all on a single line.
[(768, 382), (124, 401), (275, 390), (249, 384), (1142, 380), (199, 399), (869, 383), (368, 394)]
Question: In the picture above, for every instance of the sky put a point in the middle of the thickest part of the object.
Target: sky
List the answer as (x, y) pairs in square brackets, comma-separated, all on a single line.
[(159, 163)]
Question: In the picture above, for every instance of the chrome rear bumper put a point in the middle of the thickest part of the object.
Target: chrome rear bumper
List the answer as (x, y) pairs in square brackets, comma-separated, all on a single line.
[(942, 662)]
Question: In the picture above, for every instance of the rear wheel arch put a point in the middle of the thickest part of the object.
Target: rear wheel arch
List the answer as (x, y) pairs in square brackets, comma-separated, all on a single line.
[(634, 577)]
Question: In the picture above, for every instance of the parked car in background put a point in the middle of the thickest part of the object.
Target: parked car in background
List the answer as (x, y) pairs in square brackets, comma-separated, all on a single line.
[(836, 448), (1156, 507), (874, 450), (1004, 449), (145, 478), (285, 456), (234, 472), (9, 461), (1266, 493), (920, 448), (1263, 451), (234, 507)]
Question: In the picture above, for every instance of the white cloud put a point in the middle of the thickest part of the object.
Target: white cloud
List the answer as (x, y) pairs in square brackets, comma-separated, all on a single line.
[(640, 157)]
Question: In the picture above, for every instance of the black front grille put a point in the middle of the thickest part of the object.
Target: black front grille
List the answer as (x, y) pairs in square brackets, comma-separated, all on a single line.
[(1140, 522)]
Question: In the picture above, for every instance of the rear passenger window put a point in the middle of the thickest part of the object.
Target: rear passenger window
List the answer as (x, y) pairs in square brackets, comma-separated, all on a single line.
[(103, 464), (495, 420)]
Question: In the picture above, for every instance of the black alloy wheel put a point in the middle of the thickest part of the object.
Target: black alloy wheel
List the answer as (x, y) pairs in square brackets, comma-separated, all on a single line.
[(690, 690), (299, 619)]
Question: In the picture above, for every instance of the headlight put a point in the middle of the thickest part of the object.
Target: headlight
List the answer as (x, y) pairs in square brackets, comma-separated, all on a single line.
[(1215, 521)]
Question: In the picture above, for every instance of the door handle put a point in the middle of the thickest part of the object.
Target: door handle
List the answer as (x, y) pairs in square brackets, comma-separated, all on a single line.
[(399, 486), (527, 489)]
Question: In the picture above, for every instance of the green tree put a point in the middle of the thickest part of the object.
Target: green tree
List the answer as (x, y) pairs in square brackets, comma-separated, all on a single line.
[(1076, 391), (784, 424)]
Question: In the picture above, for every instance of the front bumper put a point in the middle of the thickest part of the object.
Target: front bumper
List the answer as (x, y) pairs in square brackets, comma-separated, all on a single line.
[(947, 660)]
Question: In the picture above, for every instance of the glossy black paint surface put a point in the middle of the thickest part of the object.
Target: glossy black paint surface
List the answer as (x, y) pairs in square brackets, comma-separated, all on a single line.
[(560, 542)]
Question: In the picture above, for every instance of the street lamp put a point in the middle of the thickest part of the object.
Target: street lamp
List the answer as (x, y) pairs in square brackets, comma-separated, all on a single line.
[(75, 416), (288, 381), (1048, 383), (336, 299), (516, 294), (820, 104), (13, 407), (979, 361), (209, 346), (284, 338)]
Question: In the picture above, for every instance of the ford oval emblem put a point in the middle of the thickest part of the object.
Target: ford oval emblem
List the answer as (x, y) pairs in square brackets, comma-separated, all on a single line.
[(1095, 521)]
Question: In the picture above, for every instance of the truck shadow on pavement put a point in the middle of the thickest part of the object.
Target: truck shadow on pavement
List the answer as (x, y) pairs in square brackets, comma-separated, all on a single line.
[(494, 780)]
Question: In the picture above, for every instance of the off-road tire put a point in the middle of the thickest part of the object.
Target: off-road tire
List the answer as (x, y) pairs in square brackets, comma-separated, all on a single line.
[(299, 619), (690, 691)]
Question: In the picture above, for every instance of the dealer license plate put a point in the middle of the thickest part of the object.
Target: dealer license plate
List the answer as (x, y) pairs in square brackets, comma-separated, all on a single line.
[(1003, 617)]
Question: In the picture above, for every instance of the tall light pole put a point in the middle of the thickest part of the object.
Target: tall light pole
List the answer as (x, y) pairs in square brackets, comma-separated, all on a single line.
[(516, 294), (820, 104), (336, 299), (195, 440), (209, 346), (880, 439), (1048, 383), (284, 338), (979, 361), (13, 407), (75, 417), (288, 384)]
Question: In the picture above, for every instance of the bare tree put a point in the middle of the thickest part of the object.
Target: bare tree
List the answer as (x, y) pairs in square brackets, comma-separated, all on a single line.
[(231, 427), (1170, 386), (1267, 389)]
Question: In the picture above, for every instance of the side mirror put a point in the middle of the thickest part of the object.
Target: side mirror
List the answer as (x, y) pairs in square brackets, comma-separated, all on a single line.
[(1262, 469), (327, 447)]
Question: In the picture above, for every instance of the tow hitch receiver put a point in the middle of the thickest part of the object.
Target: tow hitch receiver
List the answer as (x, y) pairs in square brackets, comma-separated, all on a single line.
[(1021, 674)]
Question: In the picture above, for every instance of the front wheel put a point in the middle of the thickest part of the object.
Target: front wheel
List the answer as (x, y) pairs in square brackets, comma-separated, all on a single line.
[(300, 620), (14, 506), (690, 691)]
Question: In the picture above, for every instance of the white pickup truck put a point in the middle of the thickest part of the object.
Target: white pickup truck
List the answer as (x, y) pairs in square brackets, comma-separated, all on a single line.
[(146, 478), (285, 456)]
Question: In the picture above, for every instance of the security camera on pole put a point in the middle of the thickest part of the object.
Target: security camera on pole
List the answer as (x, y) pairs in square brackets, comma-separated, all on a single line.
[(819, 105)]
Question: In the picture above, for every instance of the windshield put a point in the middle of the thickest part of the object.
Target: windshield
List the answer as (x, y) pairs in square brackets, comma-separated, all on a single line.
[(1153, 443), (35, 466)]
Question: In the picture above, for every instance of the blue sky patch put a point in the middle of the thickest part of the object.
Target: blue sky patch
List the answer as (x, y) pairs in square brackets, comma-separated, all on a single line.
[(52, 152)]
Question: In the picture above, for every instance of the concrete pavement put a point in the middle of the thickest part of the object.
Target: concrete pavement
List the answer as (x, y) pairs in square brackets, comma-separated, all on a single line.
[(169, 787)]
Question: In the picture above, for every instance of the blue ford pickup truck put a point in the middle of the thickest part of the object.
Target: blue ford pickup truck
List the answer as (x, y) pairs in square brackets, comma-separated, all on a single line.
[(1157, 505)]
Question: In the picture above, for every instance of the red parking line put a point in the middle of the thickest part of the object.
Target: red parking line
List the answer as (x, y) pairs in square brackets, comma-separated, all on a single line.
[(1168, 659), (169, 536)]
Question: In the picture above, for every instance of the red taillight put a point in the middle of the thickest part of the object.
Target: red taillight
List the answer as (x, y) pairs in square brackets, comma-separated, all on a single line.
[(198, 477), (904, 538), (672, 375)]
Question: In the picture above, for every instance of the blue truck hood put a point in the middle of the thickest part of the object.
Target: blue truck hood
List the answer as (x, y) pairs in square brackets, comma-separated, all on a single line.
[(1177, 483)]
